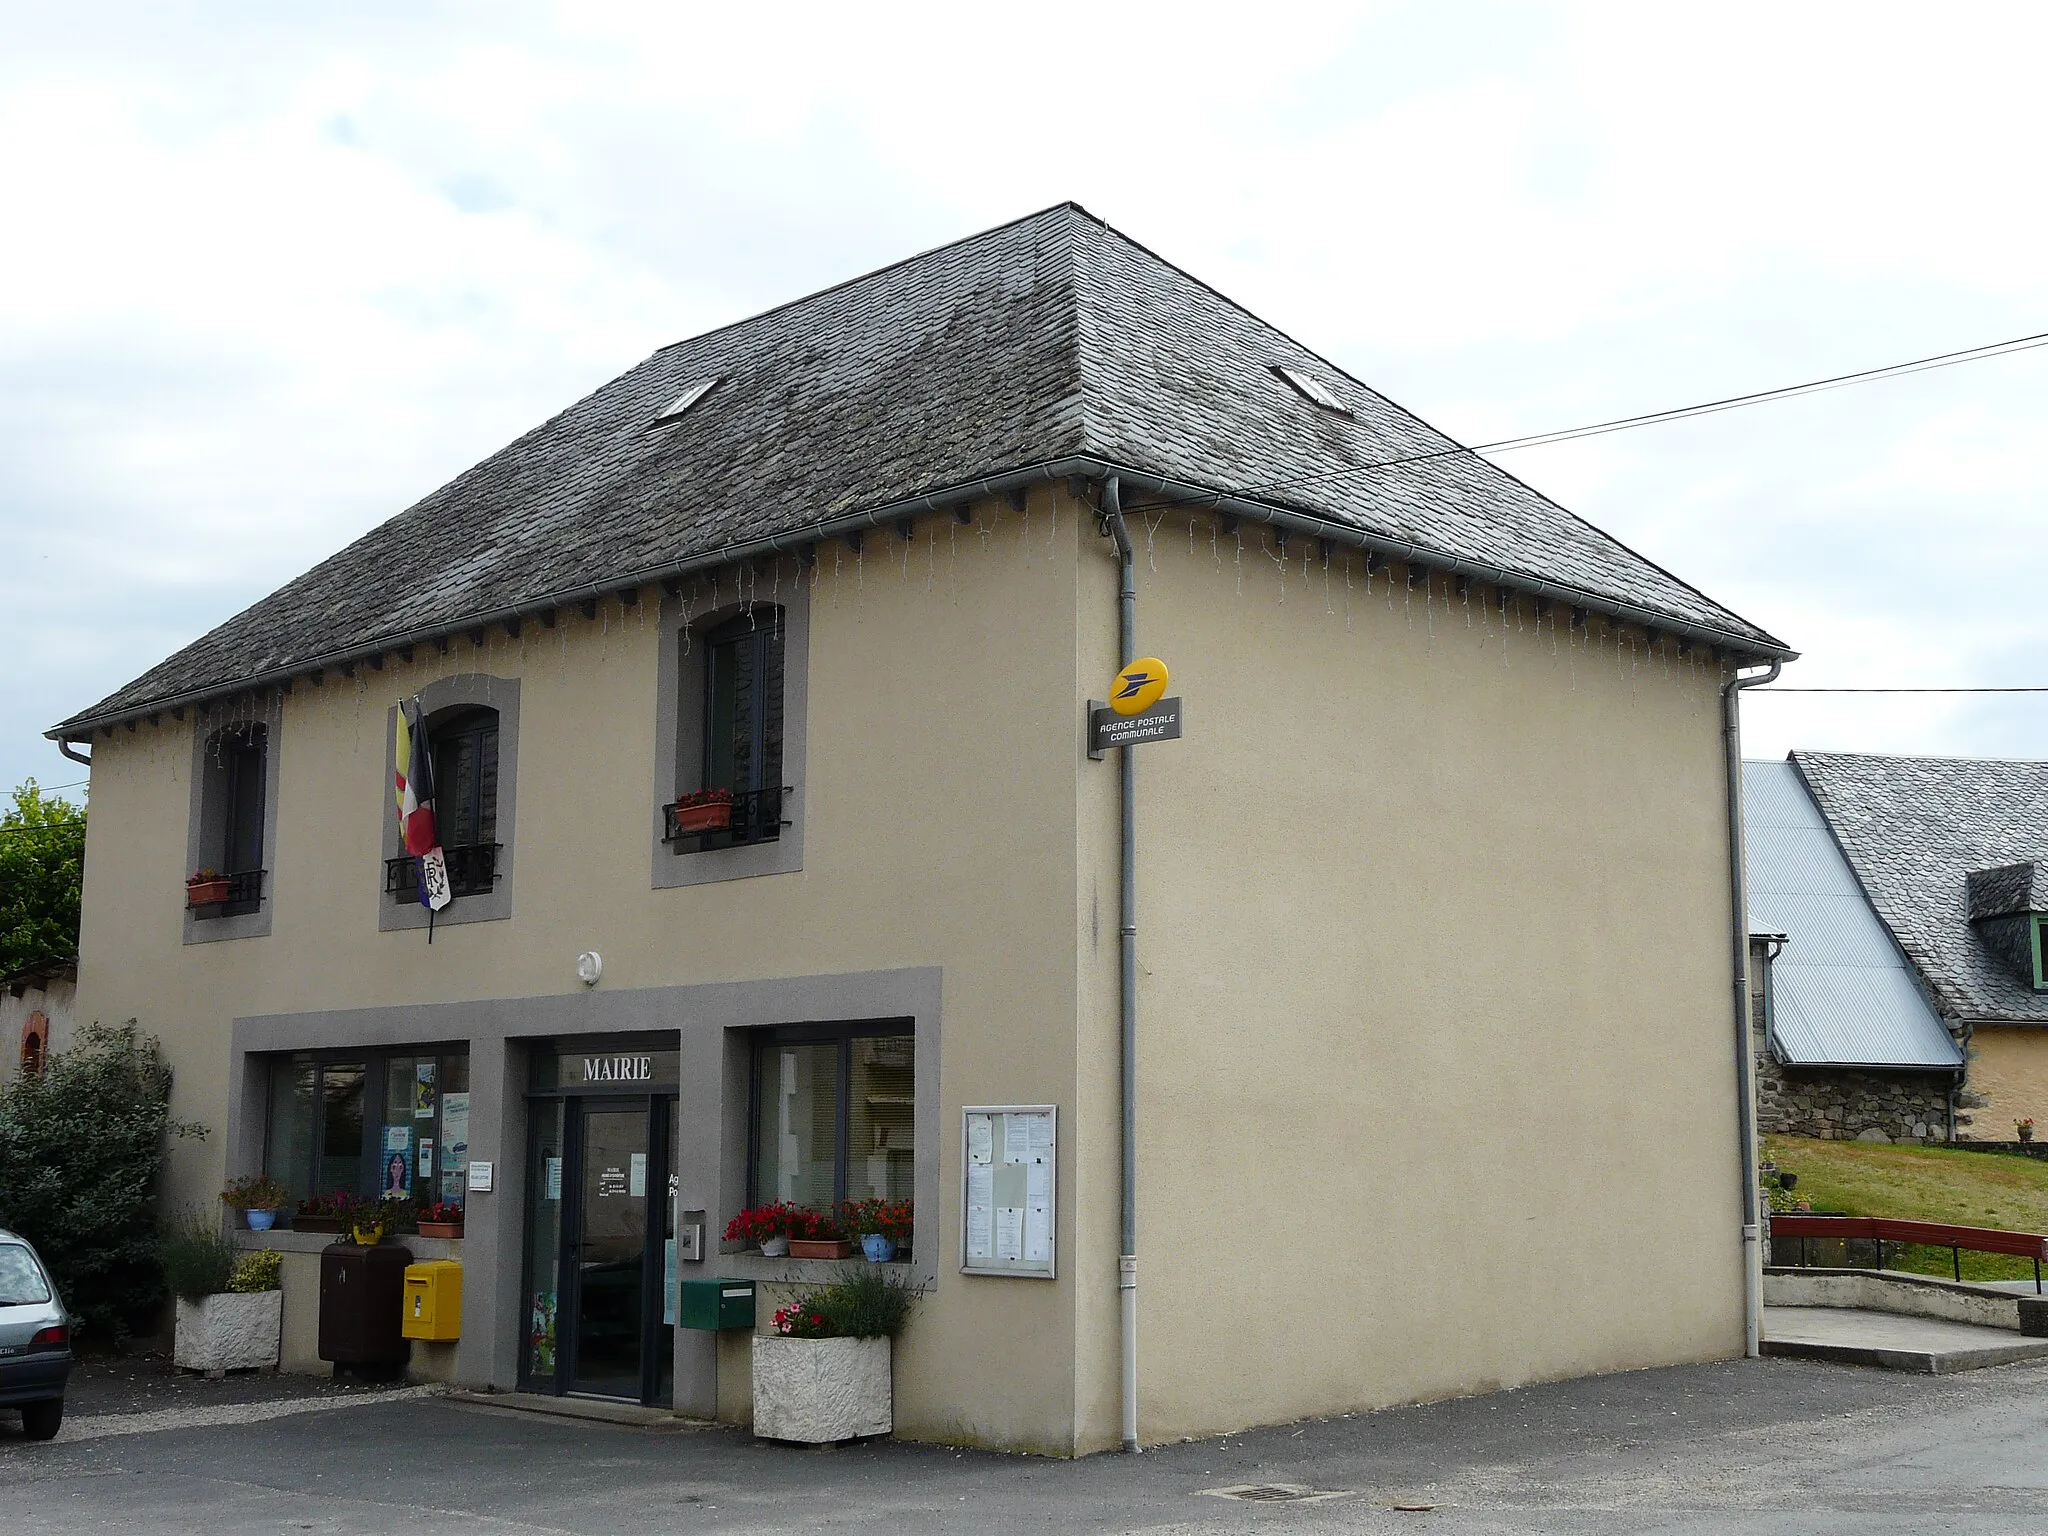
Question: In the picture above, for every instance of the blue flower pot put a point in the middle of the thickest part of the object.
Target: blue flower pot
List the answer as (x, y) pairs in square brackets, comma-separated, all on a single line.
[(260, 1221), (879, 1249)]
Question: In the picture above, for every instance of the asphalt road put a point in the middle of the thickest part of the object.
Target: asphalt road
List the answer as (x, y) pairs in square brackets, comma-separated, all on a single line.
[(1759, 1446)]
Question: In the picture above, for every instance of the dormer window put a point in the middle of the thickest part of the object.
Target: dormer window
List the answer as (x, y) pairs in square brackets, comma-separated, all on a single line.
[(2008, 906)]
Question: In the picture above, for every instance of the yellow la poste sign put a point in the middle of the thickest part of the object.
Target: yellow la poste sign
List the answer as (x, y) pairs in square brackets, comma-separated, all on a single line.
[(1139, 686)]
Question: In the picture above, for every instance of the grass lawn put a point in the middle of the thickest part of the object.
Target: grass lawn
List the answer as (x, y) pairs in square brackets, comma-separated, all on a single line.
[(1977, 1189)]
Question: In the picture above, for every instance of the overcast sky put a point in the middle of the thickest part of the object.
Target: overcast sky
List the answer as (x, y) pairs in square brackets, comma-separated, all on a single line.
[(273, 271)]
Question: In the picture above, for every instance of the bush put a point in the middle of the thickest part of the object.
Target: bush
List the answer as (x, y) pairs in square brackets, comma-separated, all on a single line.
[(867, 1304), (259, 1270), (81, 1151), (198, 1258)]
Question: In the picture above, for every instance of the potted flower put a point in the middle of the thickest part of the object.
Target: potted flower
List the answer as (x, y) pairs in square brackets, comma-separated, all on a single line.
[(441, 1219), (703, 810), (765, 1226), (365, 1223), (823, 1373), (815, 1235), (2025, 1128), (259, 1198), (881, 1225), (324, 1213), (230, 1312), (206, 888)]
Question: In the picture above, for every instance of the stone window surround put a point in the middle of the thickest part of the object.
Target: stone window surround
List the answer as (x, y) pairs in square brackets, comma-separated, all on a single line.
[(678, 733), (462, 690), (714, 1025), (205, 820)]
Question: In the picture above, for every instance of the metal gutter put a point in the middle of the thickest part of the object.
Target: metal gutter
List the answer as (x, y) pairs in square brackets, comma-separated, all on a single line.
[(1127, 966), (948, 499), (1745, 1089)]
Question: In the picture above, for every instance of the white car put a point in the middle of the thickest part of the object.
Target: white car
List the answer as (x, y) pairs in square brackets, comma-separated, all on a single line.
[(35, 1339)]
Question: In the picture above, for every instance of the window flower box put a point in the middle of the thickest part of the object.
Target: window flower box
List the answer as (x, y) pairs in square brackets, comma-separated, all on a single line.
[(820, 1248), (443, 1219), (704, 810), (207, 889)]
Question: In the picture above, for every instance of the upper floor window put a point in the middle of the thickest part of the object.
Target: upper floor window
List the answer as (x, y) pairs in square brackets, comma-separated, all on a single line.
[(739, 795), (464, 745), (470, 762), (729, 743), (228, 872), (2040, 952)]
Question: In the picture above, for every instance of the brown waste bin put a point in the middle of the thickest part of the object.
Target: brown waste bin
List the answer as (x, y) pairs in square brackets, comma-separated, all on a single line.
[(362, 1307)]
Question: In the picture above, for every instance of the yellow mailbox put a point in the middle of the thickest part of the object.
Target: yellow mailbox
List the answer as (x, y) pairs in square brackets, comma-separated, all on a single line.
[(433, 1300)]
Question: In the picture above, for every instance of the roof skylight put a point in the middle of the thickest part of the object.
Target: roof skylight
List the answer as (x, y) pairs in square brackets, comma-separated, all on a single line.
[(1312, 389), (686, 399)]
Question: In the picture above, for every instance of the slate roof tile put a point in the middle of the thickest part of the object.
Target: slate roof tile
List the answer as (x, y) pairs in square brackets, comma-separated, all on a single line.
[(1045, 339), (1914, 829)]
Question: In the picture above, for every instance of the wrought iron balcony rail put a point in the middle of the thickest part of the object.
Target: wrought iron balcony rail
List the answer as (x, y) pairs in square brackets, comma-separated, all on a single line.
[(244, 895), (756, 818), (472, 871)]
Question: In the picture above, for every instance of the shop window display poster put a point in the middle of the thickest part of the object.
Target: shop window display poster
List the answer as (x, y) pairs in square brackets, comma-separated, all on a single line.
[(423, 1090), (541, 1333), (396, 1178)]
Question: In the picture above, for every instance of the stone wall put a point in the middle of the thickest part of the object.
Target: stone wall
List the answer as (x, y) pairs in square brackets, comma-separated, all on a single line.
[(1836, 1103), (1839, 1103)]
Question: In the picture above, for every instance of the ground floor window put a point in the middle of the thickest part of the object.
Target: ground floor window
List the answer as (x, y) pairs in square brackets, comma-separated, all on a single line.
[(832, 1114), (391, 1123)]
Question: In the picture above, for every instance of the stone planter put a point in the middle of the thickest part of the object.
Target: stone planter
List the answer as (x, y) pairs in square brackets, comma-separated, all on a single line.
[(814, 1391), (229, 1332)]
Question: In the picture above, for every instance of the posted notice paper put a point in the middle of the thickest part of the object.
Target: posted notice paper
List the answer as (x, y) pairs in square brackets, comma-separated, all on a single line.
[(1037, 1232), (978, 1245), (1009, 1231), (981, 1135)]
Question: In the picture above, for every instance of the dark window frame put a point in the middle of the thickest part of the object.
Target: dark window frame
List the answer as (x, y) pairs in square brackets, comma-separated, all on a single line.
[(763, 1041), (376, 1064)]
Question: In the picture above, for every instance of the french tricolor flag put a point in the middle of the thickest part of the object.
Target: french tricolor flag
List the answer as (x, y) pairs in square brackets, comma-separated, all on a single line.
[(414, 782)]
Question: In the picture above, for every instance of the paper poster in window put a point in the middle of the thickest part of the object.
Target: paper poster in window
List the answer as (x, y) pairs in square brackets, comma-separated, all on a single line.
[(553, 1181), (423, 1090), (426, 1160), (395, 1178), (455, 1131)]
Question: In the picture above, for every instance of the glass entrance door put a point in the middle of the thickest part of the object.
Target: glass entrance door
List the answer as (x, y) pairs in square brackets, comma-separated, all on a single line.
[(611, 1251), (600, 1229)]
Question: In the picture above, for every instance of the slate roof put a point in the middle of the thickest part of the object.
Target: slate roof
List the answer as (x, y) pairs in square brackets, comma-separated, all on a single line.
[(1914, 829), (1047, 341), (2008, 889), (1842, 993)]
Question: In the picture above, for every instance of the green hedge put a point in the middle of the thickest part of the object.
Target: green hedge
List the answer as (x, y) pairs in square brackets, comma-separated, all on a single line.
[(81, 1151)]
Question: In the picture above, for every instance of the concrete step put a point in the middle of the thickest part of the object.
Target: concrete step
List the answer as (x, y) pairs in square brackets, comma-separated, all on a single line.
[(592, 1409), (1892, 1342)]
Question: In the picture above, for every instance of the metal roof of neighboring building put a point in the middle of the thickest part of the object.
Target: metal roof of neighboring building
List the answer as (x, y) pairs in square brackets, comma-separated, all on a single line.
[(1914, 829), (1842, 994), (1050, 345)]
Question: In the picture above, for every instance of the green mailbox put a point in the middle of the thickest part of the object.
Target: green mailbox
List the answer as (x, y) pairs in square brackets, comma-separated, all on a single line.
[(715, 1304)]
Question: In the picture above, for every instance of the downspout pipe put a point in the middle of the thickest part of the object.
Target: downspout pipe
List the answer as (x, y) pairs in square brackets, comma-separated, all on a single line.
[(1745, 1064), (1127, 966)]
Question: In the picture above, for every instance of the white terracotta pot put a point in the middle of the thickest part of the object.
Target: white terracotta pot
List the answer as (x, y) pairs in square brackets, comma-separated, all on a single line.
[(819, 1390), (229, 1332), (775, 1247)]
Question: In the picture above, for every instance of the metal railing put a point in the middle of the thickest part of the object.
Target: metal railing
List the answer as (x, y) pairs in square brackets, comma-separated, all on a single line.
[(756, 818), (244, 895), (472, 871)]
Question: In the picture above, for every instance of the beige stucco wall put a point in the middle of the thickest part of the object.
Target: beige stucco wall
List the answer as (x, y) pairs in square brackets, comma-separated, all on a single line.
[(939, 803), (1435, 1082), (1435, 1066), (2009, 1066)]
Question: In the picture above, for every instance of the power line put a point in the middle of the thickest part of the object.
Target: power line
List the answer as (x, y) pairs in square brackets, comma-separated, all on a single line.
[(1899, 690), (1648, 418)]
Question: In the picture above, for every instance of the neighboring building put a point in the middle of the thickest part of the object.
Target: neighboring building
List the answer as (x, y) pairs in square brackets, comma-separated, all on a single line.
[(1953, 856), (37, 1015), (1950, 857), (1433, 896), (1847, 1042)]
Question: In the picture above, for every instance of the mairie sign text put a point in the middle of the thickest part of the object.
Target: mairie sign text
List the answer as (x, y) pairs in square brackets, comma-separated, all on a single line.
[(618, 1069)]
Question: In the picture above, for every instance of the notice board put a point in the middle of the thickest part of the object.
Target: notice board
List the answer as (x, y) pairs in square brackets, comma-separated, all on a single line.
[(1010, 1158)]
